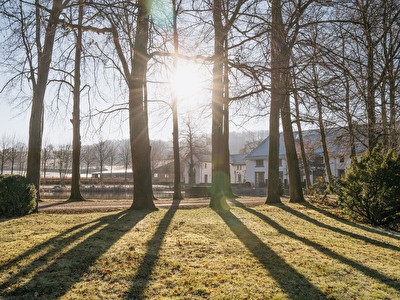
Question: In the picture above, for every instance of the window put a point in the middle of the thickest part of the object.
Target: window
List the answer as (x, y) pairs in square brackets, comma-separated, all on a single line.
[(205, 166), (341, 159), (259, 163), (260, 179), (239, 177), (155, 175), (205, 178), (280, 162)]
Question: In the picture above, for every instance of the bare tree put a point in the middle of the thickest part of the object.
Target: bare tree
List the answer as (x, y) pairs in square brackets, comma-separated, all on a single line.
[(21, 158), (4, 152), (193, 144), (112, 156), (221, 188), (134, 71), (88, 157), (76, 121), (125, 156), (47, 154), (278, 62), (102, 154), (175, 132), (39, 84), (63, 157)]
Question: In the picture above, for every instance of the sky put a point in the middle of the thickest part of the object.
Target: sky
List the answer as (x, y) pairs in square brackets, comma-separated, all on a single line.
[(191, 84), (58, 130)]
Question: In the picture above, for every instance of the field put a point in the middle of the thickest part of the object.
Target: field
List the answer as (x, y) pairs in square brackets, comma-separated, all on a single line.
[(287, 251)]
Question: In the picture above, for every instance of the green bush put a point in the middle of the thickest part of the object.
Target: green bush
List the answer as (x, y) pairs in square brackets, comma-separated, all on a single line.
[(370, 192), (319, 187), (17, 196)]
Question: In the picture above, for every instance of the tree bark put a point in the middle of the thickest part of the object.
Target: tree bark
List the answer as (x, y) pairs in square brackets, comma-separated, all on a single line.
[(76, 122), (139, 135), (278, 47), (349, 117), (39, 89), (370, 97), (175, 131), (219, 176), (301, 140), (325, 151), (229, 192), (295, 186)]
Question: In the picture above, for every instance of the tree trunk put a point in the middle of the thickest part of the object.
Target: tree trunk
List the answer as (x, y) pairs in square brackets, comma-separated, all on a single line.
[(2, 162), (295, 186), (349, 117), (370, 97), (385, 126), (229, 192), (39, 89), (392, 106), (76, 137), (278, 46), (219, 176), (175, 131), (301, 140), (321, 125), (325, 151), (139, 135)]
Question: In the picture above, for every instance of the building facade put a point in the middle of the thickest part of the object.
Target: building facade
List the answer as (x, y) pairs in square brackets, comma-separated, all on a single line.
[(339, 159), (202, 168)]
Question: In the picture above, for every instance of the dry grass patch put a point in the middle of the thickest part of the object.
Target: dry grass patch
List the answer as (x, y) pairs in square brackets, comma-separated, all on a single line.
[(264, 252)]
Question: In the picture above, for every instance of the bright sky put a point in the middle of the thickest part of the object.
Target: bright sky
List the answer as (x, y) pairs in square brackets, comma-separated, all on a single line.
[(192, 84)]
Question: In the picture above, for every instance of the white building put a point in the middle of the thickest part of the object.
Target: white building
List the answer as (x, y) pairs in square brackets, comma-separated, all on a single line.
[(238, 168), (203, 170), (339, 159)]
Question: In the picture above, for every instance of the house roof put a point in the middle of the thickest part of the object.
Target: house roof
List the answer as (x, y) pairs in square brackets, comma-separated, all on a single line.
[(237, 159), (204, 157), (262, 151), (336, 139)]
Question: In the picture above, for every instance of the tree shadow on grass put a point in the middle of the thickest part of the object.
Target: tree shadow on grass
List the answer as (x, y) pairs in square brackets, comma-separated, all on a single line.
[(295, 284), (70, 265), (390, 282), (393, 235), (145, 270), (353, 235), (60, 238)]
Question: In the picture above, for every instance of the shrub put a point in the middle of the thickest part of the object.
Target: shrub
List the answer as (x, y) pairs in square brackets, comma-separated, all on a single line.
[(17, 196), (319, 187), (370, 191)]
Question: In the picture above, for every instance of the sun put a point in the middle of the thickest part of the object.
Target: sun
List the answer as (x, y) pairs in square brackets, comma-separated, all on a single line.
[(188, 81)]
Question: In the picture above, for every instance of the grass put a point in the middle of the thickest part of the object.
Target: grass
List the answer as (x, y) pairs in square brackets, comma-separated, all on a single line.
[(265, 252)]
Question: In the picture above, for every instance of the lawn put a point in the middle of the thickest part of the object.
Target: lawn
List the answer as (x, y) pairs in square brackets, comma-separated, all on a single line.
[(265, 252)]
